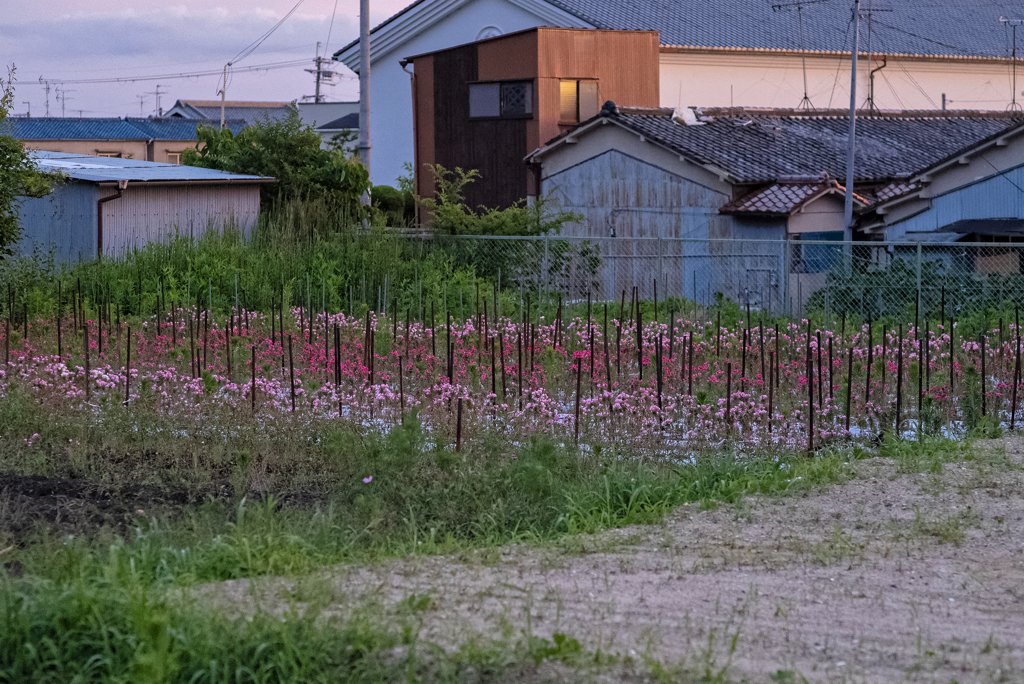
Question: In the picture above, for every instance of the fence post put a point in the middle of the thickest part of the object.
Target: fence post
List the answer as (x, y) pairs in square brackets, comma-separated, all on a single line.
[(661, 267), (545, 266), (918, 277), (785, 276)]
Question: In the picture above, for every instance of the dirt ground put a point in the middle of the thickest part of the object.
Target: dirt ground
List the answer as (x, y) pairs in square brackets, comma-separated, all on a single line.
[(890, 577)]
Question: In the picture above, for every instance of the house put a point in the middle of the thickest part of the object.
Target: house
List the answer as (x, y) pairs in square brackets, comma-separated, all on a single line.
[(486, 105), (710, 177), (236, 110), (751, 53), (107, 206), (331, 118), (156, 140)]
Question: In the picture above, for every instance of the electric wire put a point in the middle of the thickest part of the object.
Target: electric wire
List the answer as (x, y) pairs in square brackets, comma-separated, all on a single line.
[(249, 49), (186, 74)]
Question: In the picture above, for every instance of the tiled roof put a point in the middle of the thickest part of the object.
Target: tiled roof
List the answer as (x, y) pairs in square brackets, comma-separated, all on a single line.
[(784, 198), (53, 128), (249, 115), (936, 27), (752, 148), (894, 189), (347, 121)]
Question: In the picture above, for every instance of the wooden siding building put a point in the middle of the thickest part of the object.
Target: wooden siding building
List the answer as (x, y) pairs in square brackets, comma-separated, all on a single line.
[(488, 104), (108, 206)]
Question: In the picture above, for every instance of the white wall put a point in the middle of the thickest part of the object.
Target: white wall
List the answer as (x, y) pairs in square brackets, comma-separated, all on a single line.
[(391, 90), (723, 80)]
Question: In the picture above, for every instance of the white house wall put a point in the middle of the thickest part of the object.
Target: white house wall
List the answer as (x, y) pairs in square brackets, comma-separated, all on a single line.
[(154, 214), (391, 89), (763, 80)]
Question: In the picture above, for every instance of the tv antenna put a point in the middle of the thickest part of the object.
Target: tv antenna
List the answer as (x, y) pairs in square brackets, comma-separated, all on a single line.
[(1014, 106), (142, 101), (805, 103), (62, 96), (46, 87), (157, 94), (28, 105)]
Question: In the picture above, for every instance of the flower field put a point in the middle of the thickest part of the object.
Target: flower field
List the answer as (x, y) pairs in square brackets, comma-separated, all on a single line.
[(597, 378)]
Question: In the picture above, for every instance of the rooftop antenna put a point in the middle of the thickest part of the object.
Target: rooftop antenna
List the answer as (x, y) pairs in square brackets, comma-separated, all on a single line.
[(157, 94), (62, 96), (805, 103), (29, 106), (46, 87), (848, 207), (1014, 106), (142, 100)]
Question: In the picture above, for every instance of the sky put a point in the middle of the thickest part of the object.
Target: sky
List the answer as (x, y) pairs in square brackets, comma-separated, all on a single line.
[(64, 40)]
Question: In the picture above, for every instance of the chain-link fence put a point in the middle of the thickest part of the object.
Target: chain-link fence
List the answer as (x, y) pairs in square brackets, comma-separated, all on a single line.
[(789, 278)]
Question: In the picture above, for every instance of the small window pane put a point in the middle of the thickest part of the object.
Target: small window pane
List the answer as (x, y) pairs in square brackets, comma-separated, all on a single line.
[(568, 101), (588, 100), (484, 100), (516, 98)]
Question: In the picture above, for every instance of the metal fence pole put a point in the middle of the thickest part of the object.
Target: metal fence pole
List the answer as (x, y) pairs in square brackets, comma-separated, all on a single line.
[(918, 276), (786, 299)]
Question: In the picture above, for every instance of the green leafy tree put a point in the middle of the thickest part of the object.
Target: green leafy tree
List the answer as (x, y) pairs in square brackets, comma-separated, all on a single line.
[(452, 216), (289, 151), (19, 177)]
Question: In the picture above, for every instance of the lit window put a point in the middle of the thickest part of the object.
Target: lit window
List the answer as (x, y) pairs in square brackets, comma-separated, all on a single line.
[(511, 100), (113, 155), (577, 101)]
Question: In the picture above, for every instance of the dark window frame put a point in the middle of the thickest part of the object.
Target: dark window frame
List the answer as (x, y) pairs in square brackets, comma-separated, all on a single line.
[(533, 99)]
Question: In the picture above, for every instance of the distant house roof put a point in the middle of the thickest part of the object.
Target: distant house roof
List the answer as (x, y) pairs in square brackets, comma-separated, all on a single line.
[(348, 121), (249, 112), (784, 198), (762, 146), (84, 167), (942, 28), (129, 128)]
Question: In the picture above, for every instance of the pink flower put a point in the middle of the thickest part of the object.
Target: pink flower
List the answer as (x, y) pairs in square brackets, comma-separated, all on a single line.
[(368, 480)]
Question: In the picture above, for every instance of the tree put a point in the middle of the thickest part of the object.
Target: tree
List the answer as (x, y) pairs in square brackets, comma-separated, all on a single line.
[(19, 177), (288, 151)]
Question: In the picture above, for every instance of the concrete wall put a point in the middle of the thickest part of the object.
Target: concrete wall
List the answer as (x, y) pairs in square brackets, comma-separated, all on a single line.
[(156, 151)]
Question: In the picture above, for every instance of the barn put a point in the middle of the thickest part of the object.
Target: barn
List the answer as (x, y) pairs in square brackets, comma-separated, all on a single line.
[(104, 206)]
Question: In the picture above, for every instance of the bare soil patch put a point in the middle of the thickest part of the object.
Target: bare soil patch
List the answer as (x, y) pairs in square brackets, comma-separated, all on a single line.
[(890, 577)]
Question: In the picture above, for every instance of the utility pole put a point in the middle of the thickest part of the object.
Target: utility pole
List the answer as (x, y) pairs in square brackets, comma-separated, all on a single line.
[(223, 93), (1014, 106), (364, 83), (321, 74), (850, 147)]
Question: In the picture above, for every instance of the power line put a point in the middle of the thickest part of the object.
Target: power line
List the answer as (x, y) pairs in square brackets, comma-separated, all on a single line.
[(248, 50), (184, 74), (330, 28)]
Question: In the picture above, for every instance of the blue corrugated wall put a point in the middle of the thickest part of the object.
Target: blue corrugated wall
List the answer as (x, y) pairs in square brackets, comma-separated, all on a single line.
[(64, 220)]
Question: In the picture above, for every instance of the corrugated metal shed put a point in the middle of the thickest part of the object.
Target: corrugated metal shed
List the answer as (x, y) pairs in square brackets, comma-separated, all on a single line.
[(157, 202), (110, 169)]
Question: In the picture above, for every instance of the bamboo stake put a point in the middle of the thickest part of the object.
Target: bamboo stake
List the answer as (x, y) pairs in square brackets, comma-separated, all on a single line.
[(899, 382), (771, 392), (128, 367), (401, 390), (849, 387), (821, 400), (689, 369), (809, 367), (728, 398), (291, 371), (458, 428), (983, 383), (252, 393), (579, 378), (1016, 369), (85, 327)]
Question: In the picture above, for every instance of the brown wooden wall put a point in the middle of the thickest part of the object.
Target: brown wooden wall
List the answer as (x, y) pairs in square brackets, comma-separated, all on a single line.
[(625, 64)]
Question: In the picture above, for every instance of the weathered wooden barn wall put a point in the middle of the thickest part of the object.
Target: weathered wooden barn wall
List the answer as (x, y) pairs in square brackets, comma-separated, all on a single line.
[(60, 222), (622, 198), (146, 214)]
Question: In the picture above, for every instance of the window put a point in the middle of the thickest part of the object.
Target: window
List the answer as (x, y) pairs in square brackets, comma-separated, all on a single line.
[(174, 157), (577, 101), (114, 155), (507, 100)]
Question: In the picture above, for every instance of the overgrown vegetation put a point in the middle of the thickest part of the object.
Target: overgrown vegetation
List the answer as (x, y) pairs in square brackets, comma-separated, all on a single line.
[(19, 177)]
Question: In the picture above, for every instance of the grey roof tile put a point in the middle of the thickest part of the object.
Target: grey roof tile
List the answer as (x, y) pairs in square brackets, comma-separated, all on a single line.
[(755, 148)]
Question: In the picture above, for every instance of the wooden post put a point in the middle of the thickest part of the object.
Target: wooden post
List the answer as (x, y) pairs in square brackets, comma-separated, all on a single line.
[(128, 367), (639, 342), (458, 427), (728, 398), (401, 389), (899, 381), (809, 367), (689, 369), (821, 399), (86, 328), (718, 334), (771, 393), (830, 380), (952, 368), (849, 387), (867, 380), (252, 393), (494, 386), (983, 383), (579, 378), (1016, 370), (291, 370), (920, 382), (501, 351)]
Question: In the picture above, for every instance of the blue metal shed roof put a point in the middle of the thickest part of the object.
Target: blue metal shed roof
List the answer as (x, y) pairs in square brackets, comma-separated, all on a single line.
[(108, 169), (179, 129)]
